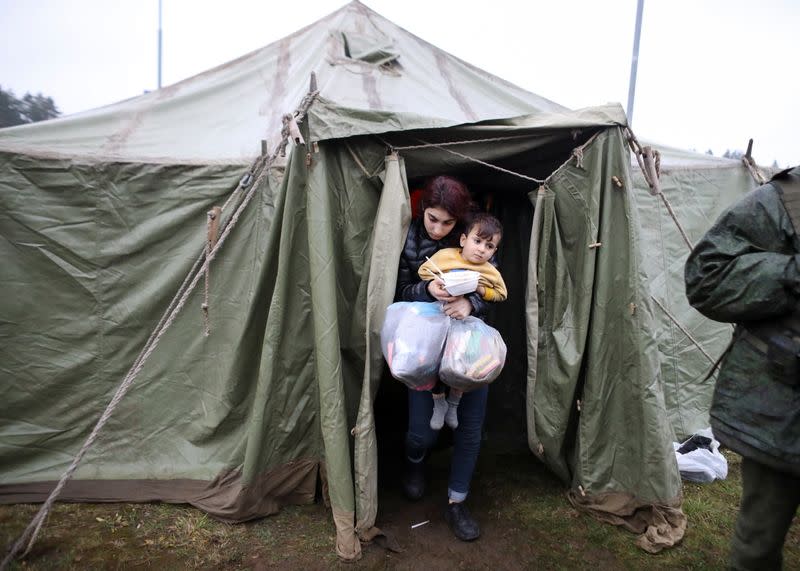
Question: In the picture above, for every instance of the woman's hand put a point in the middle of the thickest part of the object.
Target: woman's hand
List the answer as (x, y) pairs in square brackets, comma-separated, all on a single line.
[(436, 289), (459, 308)]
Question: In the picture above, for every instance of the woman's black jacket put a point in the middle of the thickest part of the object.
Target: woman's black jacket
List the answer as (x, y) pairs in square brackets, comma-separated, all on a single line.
[(419, 245)]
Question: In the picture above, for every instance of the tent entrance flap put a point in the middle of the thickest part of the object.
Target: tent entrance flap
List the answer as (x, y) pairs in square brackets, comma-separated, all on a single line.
[(583, 281), (388, 235), (591, 284)]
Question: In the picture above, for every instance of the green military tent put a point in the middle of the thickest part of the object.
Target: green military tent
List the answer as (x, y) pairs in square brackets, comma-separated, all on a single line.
[(264, 382), (693, 190)]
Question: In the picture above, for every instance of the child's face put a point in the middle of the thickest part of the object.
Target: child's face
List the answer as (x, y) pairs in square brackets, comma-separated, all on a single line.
[(476, 249)]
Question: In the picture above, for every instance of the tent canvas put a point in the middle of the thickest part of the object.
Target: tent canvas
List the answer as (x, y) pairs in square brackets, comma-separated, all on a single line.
[(698, 188), (103, 214)]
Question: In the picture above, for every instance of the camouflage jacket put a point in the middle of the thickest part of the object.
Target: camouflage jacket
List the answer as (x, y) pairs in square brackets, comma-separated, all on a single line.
[(746, 270)]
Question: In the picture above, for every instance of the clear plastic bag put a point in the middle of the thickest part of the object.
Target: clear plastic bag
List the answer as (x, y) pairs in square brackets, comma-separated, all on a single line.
[(412, 340), (699, 458), (474, 354)]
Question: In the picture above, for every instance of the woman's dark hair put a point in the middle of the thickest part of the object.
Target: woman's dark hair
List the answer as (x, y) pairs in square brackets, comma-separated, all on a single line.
[(449, 194)]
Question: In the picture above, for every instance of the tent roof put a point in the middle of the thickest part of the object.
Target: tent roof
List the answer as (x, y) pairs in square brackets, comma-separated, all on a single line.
[(373, 76), (672, 158)]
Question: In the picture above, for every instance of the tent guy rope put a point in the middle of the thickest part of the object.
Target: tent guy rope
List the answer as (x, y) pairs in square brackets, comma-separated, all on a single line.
[(649, 161), (464, 142), (683, 329), (442, 147), (751, 165), (577, 154), (262, 164)]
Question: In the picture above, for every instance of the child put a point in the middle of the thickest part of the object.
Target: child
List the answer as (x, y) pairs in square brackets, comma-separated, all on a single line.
[(478, 246)]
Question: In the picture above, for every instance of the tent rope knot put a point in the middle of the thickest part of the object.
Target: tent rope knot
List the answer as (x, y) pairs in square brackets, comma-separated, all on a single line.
[(649, 161), (578, 154), (752, 168), (294, 130), (652, 163), (751, 165), (291, 121)]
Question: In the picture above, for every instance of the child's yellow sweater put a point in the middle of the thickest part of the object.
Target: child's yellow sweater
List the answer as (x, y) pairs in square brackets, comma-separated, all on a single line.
[(451, 259)]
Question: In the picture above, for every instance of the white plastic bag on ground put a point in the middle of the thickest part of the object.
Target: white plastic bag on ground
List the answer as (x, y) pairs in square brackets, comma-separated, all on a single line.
[(474, 354), (700, 460), (412, 340)]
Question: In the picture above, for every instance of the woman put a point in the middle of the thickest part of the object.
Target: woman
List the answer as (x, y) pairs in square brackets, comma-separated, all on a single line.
[(446, 204)]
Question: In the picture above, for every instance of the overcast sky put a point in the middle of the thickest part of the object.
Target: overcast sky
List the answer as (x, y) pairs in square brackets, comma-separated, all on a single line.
[(712, 73)]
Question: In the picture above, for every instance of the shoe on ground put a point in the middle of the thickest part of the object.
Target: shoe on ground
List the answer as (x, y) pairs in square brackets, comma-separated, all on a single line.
[(462, 524), (414, 480)]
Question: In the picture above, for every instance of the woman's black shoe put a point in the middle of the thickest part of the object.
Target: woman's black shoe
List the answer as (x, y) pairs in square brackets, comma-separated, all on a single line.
[(462, 524), (414, 480)]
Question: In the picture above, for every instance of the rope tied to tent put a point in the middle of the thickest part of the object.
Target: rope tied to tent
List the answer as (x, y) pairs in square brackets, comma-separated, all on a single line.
[(425, 145), (360, 163), (578, 154), (495, 167), (260, 169), (578, 151), (683, 329), (649, 160), (211, 239), (754, 171), (751, 165)]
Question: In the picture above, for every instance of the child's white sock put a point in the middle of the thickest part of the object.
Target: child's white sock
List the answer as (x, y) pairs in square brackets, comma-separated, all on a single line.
[(451, 417), (439, 410)]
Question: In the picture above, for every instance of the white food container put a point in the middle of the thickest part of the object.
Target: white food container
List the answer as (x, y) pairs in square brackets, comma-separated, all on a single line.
[(461, 282)]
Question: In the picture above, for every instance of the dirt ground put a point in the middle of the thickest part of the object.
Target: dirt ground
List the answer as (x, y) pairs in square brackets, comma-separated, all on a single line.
[(122, 536), (508, 540), (526, 523), (433, 546)]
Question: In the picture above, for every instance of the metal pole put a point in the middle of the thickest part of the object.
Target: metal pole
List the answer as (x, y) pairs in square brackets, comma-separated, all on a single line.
[(635, 60), (159, 44)]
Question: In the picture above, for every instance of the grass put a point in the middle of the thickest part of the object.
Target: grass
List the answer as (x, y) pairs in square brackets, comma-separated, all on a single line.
[(518, 499), (163, 536)]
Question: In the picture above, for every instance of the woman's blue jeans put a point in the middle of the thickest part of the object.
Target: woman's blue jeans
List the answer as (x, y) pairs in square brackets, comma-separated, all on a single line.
[(467, 437)]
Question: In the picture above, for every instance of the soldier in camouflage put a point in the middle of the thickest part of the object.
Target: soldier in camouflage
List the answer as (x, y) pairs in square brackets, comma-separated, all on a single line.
[(746, 270)]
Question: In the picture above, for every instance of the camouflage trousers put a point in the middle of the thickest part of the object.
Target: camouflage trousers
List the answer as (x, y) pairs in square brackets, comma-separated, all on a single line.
[(769, 502)]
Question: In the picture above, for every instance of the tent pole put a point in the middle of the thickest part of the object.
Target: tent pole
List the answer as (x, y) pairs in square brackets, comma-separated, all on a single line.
[(159, 44), (634, 60)]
